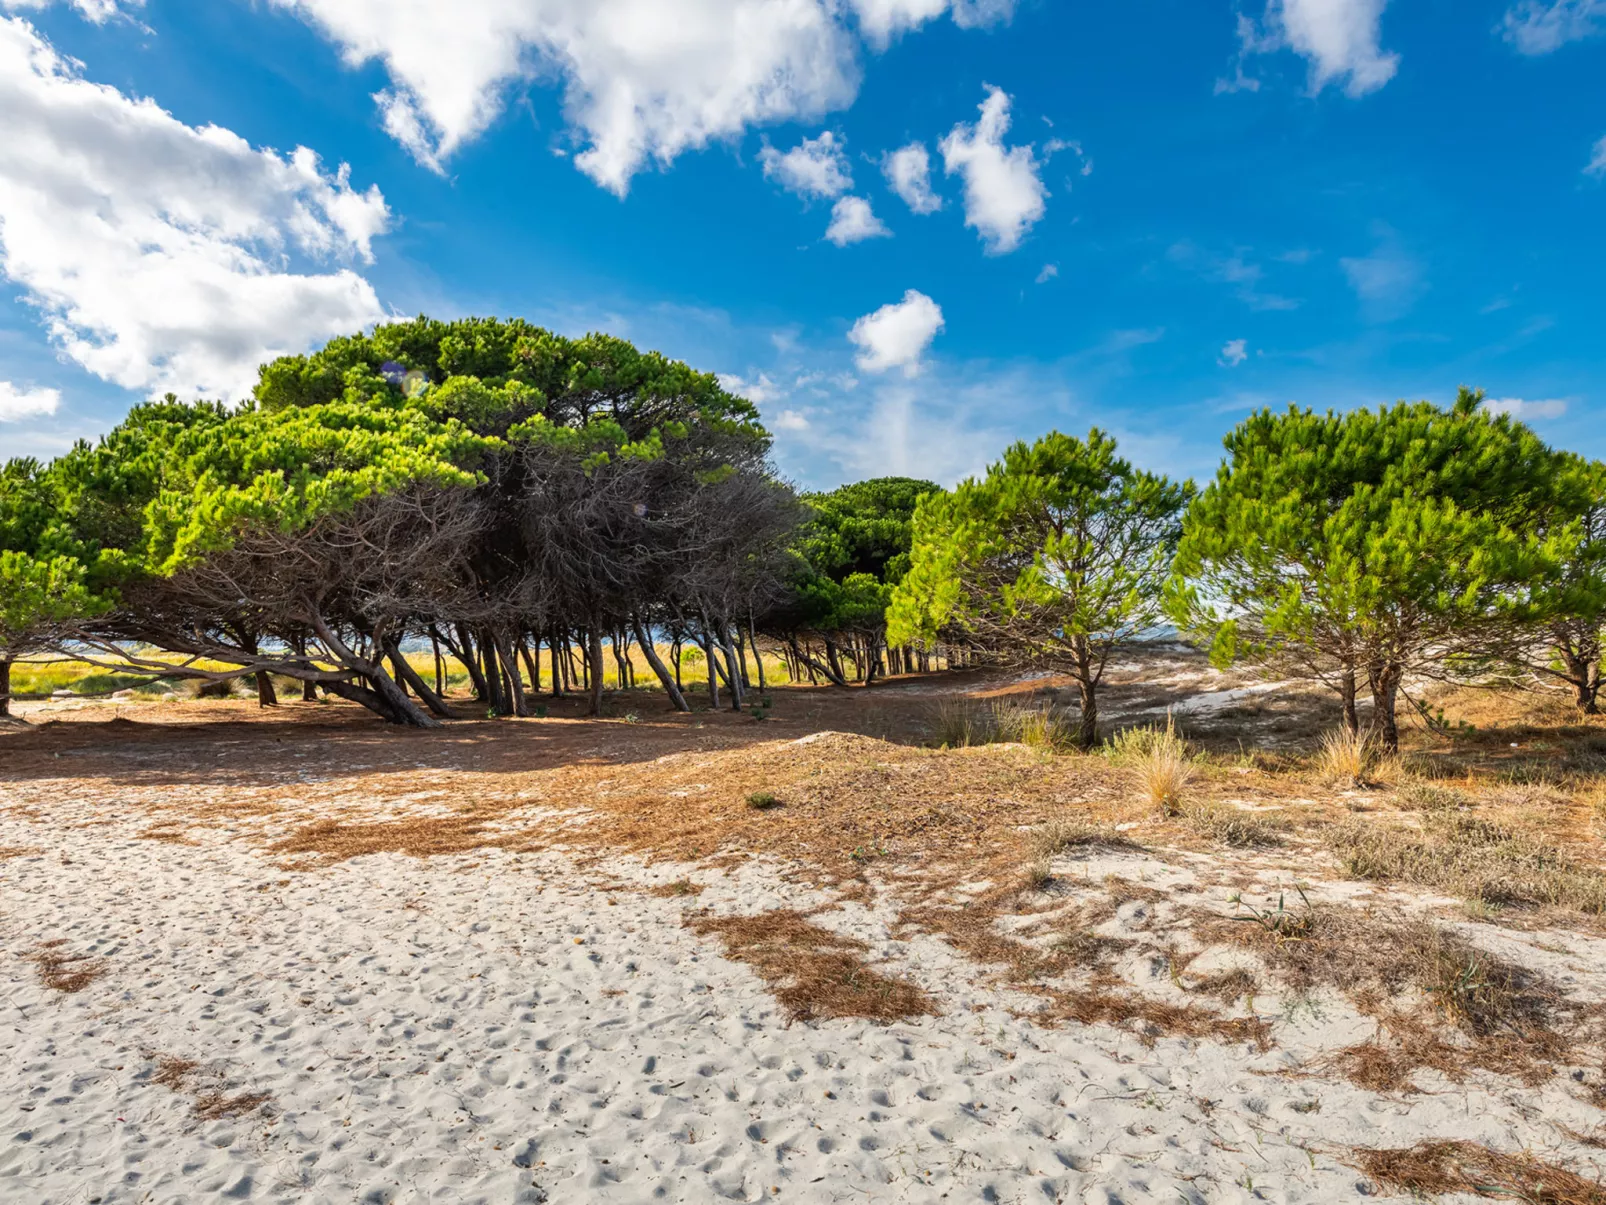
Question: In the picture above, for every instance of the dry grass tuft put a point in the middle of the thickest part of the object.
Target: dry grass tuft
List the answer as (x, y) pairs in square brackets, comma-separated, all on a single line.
[(959, 723), (16, 851), (1470, 857), (1429, 797), (1061, 834), (680, 888), (1159, 757), (1232, 826), (65, 972), (1038, 874), (1441, 1168), (814, 973), (1346, 758)]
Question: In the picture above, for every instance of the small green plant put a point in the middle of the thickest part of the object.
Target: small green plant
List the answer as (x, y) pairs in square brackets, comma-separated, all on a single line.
[(540, 712), (1038, 875), (766, 702), (1281, 922), (758, 713), (632, 718), (763, 801)]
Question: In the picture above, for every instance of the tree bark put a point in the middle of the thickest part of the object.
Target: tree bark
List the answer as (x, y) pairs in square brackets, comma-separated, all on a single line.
[(671, 684), (594, 635), (1583, 675), (1385, 680), (266, 695), (1087, 731), (414, 679), (5, 687), (393, 704), (531, 663), (510, 668), (466, 654), (1346, 690)]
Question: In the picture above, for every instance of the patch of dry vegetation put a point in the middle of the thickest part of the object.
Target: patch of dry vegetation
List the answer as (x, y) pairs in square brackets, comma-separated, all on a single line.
[(1232, 826), (959, 722), (1470, 857), (1346, 759), (1159, 759), (64, 972), (814, 973), (212, 1103), (1440, 1168), (1499, 1016)]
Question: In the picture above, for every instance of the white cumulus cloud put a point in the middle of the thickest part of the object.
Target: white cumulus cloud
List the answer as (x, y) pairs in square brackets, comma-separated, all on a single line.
[(1341, 39), (882, 20), (815, 167), (155, 251), (98, 11), (853, 222), (18, 403), (1234, 353), (898, 334), (1541, 26), (1526, 411), (908, 173), (1004, 194)]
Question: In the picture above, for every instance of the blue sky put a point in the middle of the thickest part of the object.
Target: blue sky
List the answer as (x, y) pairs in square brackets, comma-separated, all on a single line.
[(1154, 217)]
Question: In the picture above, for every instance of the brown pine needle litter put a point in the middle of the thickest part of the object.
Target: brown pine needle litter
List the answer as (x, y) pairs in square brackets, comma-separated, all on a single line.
[(65, 972), (1439, 1168), (211, 1102), (814, 973)]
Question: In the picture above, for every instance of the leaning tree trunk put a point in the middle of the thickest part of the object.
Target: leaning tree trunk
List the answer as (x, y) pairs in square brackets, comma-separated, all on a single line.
[(465, 653), (733, 676), (670, 682), (414, 679), (381, 696)]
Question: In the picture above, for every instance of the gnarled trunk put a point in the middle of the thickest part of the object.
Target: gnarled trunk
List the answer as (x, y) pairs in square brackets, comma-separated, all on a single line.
[(670, 683)]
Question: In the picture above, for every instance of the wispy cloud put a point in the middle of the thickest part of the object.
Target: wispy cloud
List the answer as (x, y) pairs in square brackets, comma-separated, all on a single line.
[(1244, 275), (1542, 26), (1234, 353), (1388, 281), (1526, 410)]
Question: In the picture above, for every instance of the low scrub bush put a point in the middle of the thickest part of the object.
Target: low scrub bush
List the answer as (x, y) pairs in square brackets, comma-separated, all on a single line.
[(1472, 858)]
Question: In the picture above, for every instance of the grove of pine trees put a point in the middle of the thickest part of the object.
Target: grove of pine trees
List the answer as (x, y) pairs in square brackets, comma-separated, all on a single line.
[(493, 489)]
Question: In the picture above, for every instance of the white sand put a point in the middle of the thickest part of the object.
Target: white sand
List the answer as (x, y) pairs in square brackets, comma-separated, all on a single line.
[(492, 1028)]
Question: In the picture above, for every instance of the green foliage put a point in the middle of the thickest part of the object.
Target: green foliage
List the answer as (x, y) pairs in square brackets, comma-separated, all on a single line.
[(490, 374), (286, 469), (36, 595), (1056, 553), (1379, 539), (852, 552)]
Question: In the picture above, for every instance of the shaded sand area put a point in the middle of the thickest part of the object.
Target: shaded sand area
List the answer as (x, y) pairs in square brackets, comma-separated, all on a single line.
[(298, 957)]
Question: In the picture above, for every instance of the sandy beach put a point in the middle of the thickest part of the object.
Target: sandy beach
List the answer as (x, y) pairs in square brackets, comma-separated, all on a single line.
[(193, 1012)]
